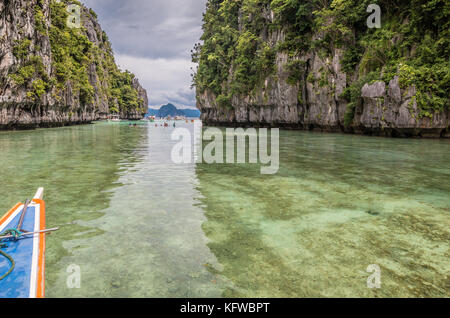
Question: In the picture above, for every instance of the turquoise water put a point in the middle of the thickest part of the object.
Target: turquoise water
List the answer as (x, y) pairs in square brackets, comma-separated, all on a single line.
[(138, 225)]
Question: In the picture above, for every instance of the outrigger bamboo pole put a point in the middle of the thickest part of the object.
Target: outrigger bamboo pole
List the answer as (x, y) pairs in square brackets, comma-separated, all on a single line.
[(39, 194), (31, 233), (22, 216)]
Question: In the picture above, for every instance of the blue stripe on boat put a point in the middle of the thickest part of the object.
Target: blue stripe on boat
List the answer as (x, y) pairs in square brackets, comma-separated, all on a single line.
[(17, 284)]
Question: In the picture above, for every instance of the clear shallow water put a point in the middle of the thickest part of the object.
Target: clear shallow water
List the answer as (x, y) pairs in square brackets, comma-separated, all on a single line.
[(138, 225)]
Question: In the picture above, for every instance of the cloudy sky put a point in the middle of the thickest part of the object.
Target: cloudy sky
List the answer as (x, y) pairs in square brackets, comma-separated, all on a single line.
[(153, 39)]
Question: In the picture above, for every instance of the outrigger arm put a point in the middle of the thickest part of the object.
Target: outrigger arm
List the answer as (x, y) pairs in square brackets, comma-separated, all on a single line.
[(38, 196)]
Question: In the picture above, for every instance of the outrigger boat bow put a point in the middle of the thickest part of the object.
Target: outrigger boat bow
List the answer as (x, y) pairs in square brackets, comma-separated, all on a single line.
[(22, 249)]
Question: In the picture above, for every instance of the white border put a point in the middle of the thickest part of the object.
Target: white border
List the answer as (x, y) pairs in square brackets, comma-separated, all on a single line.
[(35, 258), (8, 220)]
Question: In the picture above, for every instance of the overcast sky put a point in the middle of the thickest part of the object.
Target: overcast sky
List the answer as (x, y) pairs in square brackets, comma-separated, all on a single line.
[(153, 39)]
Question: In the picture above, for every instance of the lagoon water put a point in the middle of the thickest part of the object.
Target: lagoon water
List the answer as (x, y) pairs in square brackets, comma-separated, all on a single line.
[(137, 225)]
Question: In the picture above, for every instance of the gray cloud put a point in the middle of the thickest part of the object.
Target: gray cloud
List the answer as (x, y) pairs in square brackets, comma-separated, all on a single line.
[(153, 39)]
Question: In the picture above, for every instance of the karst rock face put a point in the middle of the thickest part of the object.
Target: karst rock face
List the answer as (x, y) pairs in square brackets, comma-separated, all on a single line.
[(53, 75), (315, 101)]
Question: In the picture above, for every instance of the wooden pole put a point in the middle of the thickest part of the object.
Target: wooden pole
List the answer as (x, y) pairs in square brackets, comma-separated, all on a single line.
[(31, 233), (22, 216), (39, 194)]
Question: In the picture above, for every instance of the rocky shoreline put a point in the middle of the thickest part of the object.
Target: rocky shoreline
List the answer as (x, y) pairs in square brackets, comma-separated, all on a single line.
[(384, 110), (390, 132), (310, 89), (27, 117)]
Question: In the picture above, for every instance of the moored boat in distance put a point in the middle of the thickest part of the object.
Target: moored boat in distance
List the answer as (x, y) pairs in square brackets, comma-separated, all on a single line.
[(22, 249), (114, 118)]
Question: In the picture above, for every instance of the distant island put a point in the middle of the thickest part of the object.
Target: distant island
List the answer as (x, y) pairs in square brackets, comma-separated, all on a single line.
[(172, 111)]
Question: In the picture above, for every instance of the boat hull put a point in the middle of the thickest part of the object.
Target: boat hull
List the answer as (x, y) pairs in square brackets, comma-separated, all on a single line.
[(27, 280)]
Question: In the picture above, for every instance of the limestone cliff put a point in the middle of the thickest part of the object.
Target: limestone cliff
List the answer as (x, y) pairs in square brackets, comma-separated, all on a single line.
[(54, 74), (257, 69)]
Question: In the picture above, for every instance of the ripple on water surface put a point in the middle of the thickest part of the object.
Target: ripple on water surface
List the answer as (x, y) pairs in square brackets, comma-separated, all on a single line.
[(139, 226)]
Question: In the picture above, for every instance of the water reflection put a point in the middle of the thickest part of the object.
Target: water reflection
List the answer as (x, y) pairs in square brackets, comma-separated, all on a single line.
[(151, 242), (338, 204), (139, 225), (77, 166)]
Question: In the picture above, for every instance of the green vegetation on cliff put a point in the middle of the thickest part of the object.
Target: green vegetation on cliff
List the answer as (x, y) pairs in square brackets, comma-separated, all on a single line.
[(72, 53), (74, 60), (250, 57), (240, 45)]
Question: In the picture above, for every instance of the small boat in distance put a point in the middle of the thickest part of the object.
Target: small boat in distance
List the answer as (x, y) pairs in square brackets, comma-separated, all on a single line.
[(113, 118), (22, 249)]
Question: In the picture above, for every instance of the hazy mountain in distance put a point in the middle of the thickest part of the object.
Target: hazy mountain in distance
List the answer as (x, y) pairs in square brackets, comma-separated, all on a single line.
[(171, 110), (192, 113)]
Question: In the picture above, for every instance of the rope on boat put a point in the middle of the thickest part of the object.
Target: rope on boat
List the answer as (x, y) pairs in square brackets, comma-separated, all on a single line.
[(11, 260), (16, 235)]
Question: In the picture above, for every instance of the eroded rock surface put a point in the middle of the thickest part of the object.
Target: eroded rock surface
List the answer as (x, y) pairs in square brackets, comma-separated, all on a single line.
[(56, 106)]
